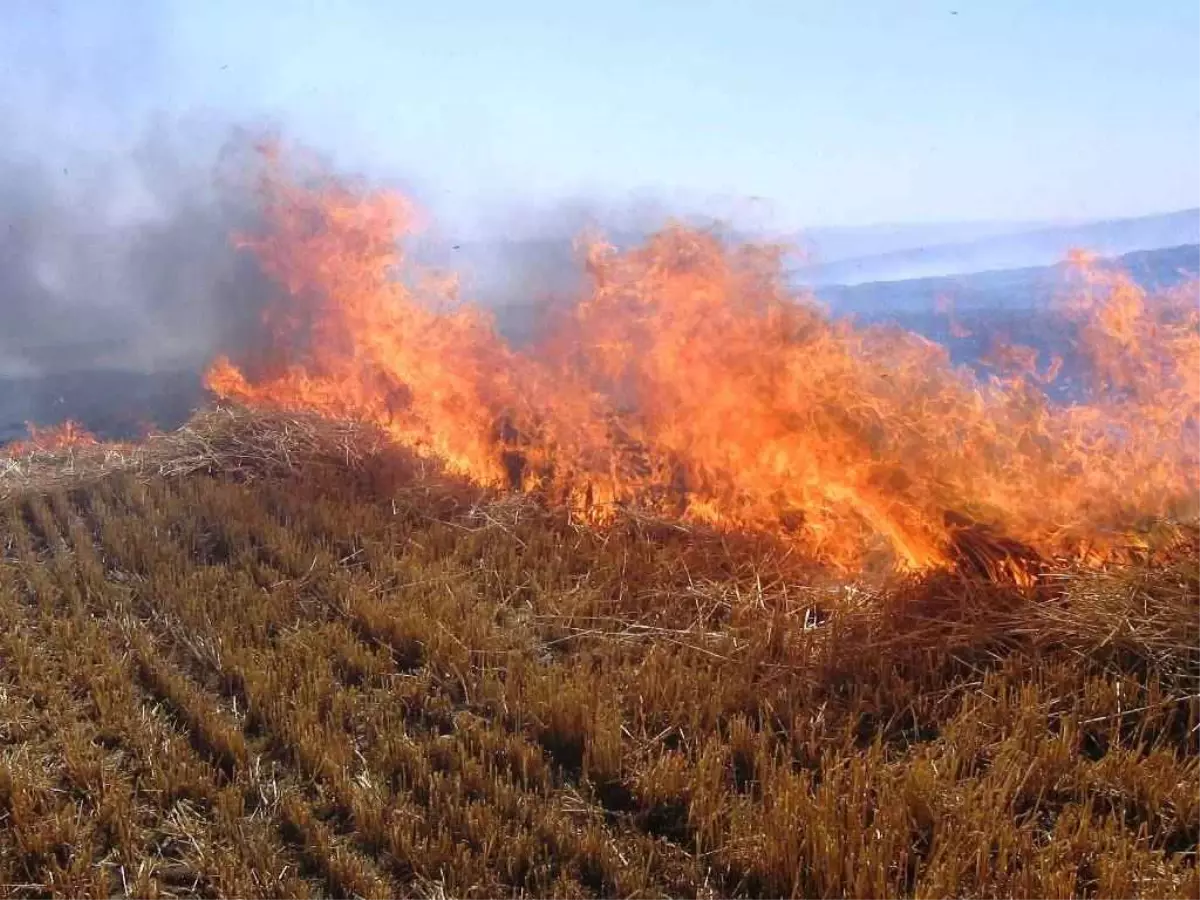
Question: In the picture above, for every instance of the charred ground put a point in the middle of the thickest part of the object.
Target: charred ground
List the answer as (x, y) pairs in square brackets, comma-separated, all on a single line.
[(265, 661)]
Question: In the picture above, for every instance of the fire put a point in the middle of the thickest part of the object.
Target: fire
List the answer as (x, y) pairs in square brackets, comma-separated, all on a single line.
[(692, 380), (51, 439)]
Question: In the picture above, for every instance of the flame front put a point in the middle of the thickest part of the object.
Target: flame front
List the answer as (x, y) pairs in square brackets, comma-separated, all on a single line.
[(691, 380), (50, 439)]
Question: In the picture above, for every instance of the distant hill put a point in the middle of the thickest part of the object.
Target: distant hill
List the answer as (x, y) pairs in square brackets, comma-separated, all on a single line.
[(1012, 305), (1007, 289), (826, 245), (1037, 247)]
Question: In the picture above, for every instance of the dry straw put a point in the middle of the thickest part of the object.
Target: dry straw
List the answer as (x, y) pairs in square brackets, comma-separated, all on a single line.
[(229, 440)]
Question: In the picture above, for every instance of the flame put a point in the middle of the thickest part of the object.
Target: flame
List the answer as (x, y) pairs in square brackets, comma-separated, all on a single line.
[(690, 379), (51, 439)]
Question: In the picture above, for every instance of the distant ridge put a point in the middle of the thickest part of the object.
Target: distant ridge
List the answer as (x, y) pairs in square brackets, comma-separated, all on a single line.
[(1027, 288), (1037, 247)]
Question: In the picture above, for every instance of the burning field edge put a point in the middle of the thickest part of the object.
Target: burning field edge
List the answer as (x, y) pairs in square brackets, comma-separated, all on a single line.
[(241, 445)]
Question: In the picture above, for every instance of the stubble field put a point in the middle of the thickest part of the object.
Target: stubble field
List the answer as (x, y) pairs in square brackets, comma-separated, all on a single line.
[(357, 677)]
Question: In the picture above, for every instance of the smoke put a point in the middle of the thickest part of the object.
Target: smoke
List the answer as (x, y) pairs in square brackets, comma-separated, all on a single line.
[(119, 280), (118, 277), (126, 264), (521, 259), (121, 188), (115, 210)]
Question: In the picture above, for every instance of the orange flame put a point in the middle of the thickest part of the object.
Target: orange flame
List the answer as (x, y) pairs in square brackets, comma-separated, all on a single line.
[(692, 380), (51, 439)]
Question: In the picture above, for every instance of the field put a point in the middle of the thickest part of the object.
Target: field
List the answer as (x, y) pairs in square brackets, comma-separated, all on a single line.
[(271, 664)]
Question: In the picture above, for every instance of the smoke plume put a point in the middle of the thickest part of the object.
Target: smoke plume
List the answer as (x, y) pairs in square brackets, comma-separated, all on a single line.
[(121, 193), (118, 277), (125, 264)]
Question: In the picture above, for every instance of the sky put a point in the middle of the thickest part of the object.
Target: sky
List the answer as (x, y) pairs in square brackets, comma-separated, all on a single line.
[(796, 113)]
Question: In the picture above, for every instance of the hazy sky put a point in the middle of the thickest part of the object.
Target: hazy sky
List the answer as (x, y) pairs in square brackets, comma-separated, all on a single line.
[(833, 112)]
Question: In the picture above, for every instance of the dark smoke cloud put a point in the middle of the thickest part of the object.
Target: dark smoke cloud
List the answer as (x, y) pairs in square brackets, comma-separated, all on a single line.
[(126, 264), (118, 199), (119, 280)]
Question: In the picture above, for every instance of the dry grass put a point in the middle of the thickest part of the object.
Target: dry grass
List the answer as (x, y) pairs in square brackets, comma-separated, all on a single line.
[(257, 658), (229, 441)]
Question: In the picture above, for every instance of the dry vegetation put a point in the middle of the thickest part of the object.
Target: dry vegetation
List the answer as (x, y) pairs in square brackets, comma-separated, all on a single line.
[(350, 676)]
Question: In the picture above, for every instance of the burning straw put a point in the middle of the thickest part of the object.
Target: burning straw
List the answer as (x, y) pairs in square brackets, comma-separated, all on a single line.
[(691, 381)]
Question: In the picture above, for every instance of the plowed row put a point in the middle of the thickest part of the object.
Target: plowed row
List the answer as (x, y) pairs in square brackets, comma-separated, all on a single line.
[(377, 684)]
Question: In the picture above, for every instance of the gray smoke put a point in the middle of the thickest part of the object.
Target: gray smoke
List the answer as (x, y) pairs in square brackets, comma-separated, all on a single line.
[(120, 192), (119, 280), (118, 199), (522, 259), (126, 264)]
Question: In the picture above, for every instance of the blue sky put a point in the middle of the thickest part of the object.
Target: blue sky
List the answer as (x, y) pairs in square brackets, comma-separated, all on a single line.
[(808, 113)]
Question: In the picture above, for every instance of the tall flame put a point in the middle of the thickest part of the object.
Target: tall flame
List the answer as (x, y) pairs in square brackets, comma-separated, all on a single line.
[(691, 379)]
